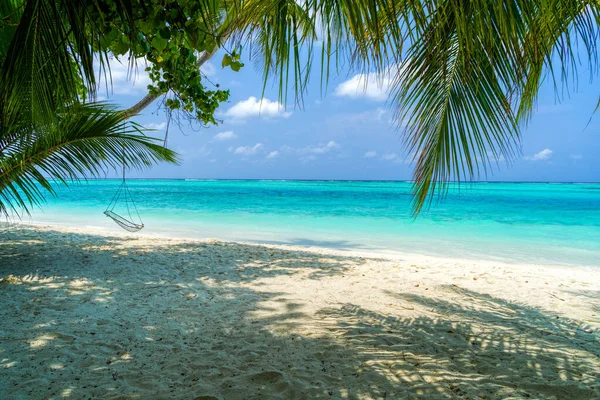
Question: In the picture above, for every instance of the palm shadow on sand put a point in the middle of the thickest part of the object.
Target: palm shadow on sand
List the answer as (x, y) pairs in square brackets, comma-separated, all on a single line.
[(196, 331)]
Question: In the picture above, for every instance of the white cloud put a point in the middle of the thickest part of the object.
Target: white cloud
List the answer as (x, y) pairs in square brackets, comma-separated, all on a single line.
[(308, 158), (273, 154), (248, 150), (253, 107), (193, 153), (379, 113), (208, 69), (311, 152), (370, 154), (359, 118), (397, 159), (493, 158), (126, 80), (576, 157), (319, 149), (372, 86), (227, 135), (158, 127), (540, 156)]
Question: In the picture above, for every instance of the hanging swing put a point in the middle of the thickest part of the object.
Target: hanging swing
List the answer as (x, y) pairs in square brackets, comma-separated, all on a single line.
[(129, 222), (123, 194)]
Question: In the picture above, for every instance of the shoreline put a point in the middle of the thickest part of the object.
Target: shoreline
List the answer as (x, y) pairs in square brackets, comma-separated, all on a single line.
[(131, 316), (380, 253)]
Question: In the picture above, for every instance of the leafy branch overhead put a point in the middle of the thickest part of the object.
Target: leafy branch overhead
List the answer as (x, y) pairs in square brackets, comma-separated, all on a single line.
[(46, 132), (169, 38), (465, 74), (233, 61)]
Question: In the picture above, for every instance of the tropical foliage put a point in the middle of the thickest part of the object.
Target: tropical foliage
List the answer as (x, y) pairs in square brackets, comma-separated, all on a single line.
[(472, 74), (46, 131), (465, 74)]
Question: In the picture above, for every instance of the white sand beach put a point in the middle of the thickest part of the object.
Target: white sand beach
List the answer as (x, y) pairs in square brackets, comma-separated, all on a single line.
[(90, 315)]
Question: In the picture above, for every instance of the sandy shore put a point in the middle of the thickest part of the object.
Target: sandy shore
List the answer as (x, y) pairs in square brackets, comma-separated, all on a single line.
[(88, 315)]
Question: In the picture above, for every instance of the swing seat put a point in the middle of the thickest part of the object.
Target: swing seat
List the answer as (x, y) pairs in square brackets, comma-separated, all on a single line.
[(124, 222), (129, 223)]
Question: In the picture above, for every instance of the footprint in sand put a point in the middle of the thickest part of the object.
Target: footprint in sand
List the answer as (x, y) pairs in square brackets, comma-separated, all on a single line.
[(273, 380), (270, 384)]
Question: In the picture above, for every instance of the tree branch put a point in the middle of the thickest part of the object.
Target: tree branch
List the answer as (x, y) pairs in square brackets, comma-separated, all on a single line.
[(139, 106), (149, 99)]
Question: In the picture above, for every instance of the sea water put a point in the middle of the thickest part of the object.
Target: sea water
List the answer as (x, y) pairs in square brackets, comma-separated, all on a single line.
[(540, 223)]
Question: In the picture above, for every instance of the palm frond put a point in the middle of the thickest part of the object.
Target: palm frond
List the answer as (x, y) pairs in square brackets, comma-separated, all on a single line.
[(467, 72), (45, 132), (284, 34), (559, 34), (472, 74), (10, 15), (83, 142)]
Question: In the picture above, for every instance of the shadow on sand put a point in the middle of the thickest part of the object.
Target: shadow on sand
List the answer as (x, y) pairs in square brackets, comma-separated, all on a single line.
[(101, 317)]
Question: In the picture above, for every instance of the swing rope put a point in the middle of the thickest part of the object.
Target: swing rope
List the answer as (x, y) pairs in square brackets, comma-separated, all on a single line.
[(126, 223)]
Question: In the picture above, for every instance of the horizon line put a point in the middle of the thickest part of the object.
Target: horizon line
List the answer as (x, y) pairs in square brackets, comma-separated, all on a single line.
[(324, 180)]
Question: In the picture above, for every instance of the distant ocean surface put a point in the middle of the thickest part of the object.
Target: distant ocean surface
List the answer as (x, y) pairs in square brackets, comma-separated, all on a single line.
[(541, 223)]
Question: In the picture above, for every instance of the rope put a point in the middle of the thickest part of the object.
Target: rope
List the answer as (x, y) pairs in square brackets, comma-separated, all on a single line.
[(115, 198), (135, 208), (127, 224)]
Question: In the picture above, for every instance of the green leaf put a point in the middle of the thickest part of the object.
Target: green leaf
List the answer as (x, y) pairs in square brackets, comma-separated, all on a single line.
[(159, 43), (236, 65), (226, 61), (165, 33), (107, 39), (120, 47), (146, 25)]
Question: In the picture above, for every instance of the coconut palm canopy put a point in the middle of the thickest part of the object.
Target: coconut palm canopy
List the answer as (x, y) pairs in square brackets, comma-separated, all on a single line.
[(465, 74), (46, 130)]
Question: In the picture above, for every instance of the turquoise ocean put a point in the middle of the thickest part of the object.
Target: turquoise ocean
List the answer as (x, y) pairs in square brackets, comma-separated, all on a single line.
[(540, 223)]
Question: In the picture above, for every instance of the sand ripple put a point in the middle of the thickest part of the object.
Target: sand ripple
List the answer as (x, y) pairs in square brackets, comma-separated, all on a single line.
[(86, 315)]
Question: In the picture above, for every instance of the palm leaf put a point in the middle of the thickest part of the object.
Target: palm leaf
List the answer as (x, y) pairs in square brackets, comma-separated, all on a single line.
[(83, 142), (472, 74), (10, 15), (45, 132)]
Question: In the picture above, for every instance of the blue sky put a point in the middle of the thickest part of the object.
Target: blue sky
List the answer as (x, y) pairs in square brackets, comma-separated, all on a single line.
[(348, 133)]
